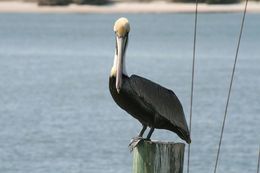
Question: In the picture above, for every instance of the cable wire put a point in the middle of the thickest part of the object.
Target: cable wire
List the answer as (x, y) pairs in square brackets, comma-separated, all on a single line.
[(192, 79), (230, 86), (258, 162)]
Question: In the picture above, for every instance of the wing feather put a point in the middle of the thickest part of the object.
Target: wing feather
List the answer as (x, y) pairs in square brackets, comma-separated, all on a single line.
[(162, 100)]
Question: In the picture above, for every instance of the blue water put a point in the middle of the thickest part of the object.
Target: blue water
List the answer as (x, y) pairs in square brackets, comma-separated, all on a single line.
[(56, 113)]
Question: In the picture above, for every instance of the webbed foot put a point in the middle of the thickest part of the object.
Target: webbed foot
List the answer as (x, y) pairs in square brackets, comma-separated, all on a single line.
[(135, 141)]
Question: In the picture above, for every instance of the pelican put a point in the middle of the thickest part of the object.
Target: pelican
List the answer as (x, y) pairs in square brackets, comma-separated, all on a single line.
[(152, 105)]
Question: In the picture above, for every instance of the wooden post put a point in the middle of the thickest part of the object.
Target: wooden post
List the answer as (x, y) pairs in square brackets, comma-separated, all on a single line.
[(158, 157)]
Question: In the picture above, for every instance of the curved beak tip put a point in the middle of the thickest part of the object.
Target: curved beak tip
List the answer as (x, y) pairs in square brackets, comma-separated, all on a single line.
[(118, 85)]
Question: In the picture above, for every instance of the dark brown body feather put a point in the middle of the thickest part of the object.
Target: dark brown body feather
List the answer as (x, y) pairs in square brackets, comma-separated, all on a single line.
[(151, 104)]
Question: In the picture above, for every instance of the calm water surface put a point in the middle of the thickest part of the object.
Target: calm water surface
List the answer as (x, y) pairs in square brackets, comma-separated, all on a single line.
[(56, 113)]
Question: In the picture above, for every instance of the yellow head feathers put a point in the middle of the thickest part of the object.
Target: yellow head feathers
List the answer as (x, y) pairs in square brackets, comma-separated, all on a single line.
[(121, 27)]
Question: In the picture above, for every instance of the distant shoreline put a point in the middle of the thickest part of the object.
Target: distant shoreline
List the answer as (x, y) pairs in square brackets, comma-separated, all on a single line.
[(126, 7)]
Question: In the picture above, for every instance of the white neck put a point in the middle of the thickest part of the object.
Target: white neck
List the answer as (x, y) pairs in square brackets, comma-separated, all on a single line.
[(113, 70)]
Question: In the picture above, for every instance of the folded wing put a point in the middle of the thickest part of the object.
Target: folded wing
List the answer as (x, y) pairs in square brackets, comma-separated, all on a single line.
[(161, 99)]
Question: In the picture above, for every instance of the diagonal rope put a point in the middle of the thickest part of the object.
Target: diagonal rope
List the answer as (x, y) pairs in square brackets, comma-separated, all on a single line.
[(258, 162), (230, 86), (192, 78)]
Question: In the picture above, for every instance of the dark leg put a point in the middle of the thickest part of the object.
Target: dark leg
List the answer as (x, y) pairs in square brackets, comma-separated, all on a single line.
[(150, 133), (142, 131), (134, 142)]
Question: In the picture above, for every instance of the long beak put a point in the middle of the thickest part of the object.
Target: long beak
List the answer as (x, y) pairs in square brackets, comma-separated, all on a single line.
[(121, 45)]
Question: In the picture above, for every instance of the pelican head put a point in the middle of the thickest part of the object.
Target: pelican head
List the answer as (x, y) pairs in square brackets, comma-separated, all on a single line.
[(121, 29)]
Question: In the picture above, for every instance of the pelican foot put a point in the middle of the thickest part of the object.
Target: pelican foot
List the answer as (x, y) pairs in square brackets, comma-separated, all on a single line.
[(135, 141)]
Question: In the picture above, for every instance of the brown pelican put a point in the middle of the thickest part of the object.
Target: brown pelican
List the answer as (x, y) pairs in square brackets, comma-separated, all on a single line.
[(153, 105)]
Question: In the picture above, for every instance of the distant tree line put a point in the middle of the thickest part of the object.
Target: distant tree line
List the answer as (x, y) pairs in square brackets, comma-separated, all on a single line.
[(104, 2), (211, 1), (201, 1), (67, 2)]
